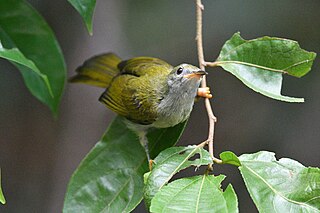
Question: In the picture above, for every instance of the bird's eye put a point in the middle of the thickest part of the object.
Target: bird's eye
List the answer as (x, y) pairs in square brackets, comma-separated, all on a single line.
[(179, 70)]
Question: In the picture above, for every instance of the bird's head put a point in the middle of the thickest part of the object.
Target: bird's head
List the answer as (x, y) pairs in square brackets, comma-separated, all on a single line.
[(185, 77)]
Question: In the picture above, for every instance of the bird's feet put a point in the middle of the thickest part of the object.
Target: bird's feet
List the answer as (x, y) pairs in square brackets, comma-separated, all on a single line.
[(204, 92)]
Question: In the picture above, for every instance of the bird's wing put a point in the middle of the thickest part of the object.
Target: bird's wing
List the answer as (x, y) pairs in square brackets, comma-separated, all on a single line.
[(136, 92), (140, 66), (98, 70)]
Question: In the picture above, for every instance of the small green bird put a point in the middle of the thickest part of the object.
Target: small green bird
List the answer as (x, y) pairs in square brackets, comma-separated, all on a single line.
[(147, 91)]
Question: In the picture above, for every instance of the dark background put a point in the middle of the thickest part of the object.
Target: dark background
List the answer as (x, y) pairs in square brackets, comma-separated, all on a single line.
[(38, 153)]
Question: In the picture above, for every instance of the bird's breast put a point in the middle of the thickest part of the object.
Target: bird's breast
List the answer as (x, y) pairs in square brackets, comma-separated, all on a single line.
[(174, 109)]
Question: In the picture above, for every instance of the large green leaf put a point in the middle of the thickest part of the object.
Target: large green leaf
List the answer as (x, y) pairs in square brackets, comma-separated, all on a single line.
[(86, 9), (260, 63), (110, 178), (24, 31), (280, 186), (168, 163), (2, 199), (195, 194)]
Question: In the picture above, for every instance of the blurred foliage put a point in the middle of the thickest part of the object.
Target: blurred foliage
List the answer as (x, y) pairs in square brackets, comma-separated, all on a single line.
[(247, 122), (36, 52)]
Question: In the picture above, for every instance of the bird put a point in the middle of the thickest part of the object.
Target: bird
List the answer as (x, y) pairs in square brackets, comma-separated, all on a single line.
[(148, 92)]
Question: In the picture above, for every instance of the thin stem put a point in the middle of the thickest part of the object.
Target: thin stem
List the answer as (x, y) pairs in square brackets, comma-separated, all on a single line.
[(211, 117)]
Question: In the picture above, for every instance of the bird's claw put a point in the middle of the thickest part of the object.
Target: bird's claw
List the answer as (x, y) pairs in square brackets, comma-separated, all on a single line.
[(204, 92)]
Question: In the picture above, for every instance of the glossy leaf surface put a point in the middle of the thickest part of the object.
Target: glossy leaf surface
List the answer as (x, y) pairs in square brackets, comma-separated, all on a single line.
[(195, 194), (85, 9), (168, 163), (110, 178), (260, 63), (280, 186), (24, 31)]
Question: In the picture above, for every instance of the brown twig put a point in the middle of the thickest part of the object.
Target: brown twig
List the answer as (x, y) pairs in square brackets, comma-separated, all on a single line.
[(211, 117)]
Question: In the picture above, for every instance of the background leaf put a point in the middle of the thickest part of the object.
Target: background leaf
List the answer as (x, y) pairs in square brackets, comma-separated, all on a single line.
[(23, 28), (259, 63), (85, 9), (168, 163), (195, 194), (110, 178), (280, 186), (2, 199)]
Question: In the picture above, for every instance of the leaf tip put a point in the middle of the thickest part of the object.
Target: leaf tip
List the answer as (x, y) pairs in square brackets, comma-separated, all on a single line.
[(89, 28)]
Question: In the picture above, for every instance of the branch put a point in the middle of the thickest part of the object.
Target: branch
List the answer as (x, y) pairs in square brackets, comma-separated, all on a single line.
[(211, 117)]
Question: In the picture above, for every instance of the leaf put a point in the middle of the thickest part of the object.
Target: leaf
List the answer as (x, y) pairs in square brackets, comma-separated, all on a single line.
[(168, 163), (110, 178), (260, 63), (23, 30), (195, 194), (85, 9), (280, 186), (231, 199), (15, 56), (228, 157), (2, 199)]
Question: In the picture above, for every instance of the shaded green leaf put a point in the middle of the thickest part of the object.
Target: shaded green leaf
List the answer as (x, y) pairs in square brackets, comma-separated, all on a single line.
[(23, 29), (2, 199), (85, 9), (195, 194), (280, 186), (15, 56), (260, 63), (110, 178), (228, 157), (168, 163)]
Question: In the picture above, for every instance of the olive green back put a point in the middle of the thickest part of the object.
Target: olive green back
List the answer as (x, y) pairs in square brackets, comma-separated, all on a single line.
[(136, 92), (134, 87)]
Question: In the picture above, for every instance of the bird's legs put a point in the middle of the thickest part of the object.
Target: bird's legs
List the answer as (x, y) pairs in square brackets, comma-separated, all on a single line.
[(204, 92), (144, 142)]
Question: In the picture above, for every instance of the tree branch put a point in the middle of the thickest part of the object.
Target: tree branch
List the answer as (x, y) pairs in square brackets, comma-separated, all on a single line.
[(211, 117)]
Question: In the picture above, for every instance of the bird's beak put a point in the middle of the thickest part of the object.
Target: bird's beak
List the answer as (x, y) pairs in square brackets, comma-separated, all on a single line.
[(196, 74)]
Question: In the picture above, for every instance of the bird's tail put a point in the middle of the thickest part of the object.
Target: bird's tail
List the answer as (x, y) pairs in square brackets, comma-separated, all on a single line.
[(98, 70)]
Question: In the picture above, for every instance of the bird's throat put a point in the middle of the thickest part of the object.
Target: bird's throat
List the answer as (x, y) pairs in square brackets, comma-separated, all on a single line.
[(176, 106)]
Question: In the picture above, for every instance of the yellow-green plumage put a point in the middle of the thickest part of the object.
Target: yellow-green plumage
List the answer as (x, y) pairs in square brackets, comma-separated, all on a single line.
[(135, 94), (98, 70), (147, 91), (134, 87)]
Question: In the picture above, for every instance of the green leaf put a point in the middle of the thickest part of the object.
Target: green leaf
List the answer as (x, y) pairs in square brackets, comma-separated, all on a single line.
[(260, 63), (231, 199), (228, 157), (280, 186), (25, 33), (85, 9), (2, 199), (168, 163), (195, 194), (16, 57), (110, 178)]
